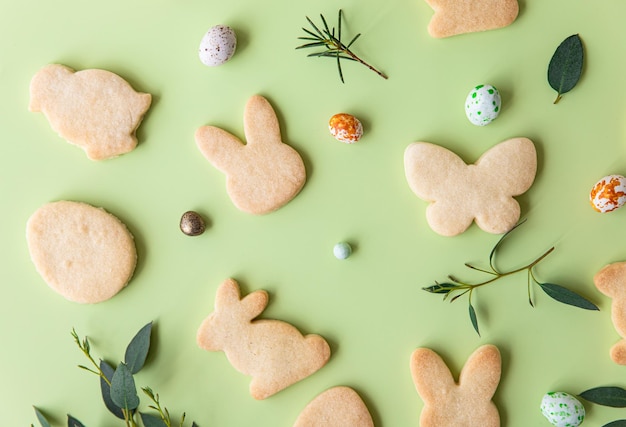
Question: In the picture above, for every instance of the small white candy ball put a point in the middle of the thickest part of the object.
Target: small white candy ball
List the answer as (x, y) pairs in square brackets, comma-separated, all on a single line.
[(562, 409), (482, 105), (342, 250), (217, 46)]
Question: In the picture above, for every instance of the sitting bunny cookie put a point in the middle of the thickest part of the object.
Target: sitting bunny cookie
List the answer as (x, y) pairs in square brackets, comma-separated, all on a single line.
[(611, 281), (261, 175), (454, 17), (464, 404), (483, 192), (273, 352), (94, 109)]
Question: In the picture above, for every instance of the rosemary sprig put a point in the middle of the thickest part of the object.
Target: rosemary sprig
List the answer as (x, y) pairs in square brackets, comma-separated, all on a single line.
[(455, 288), (334, 46)]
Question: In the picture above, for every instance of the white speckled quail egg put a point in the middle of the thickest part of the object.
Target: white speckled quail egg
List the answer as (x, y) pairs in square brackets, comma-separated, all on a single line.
[(482, 105), (608, 194), (217, 46), (562, 409)]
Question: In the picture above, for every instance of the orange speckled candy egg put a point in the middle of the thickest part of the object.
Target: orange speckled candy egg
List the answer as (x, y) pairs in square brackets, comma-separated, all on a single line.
[(345, 128), (609, 193)]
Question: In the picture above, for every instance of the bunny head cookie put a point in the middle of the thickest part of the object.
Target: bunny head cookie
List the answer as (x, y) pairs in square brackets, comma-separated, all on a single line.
[(611, 281), (483, 192), (94, 109), (467, 403), (273, 352), (454, 17), (263, 174)]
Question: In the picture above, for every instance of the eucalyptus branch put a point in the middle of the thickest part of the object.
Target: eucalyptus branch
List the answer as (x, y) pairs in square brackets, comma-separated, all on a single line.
[(456, 288), (85, 347), (334, 46)]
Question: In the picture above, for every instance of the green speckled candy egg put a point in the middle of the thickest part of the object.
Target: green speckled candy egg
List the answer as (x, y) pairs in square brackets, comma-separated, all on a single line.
[(482, 105), (562, 409)]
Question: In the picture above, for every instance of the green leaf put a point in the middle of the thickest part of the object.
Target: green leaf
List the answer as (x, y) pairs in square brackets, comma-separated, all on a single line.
[(73, 422), (618, 423), (564, 295), (566, 66), (137, 350), (105, 389), (123, 390), (441, 288), (472, 314), (41, 418), (150, 420), (606, 396), (194, 424), (492, 254)]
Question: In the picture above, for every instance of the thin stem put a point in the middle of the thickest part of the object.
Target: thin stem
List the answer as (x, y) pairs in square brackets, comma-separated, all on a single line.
[(86, 349)]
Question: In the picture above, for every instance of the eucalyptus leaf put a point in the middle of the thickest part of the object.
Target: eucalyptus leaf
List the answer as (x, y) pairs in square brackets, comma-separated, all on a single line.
[(606, 396), (565, 296), (194, 424), (105, 389), (73, 422), (41, 418), (618, 423), (138, 348), (566, 66), (440, 288), (123, 390), (472, 314), (150, 420)]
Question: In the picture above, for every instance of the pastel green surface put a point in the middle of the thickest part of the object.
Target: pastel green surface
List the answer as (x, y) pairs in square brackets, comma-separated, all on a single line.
[(369, 307)]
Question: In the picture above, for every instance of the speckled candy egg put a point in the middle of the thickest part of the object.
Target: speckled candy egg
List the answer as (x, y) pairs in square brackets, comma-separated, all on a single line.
[(562, 409), (345, 128), (217, 46), (482, 105), (608, 194)]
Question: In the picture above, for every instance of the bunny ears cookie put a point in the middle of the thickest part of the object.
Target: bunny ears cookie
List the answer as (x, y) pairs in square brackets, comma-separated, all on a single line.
[(263, 174), (454, 17), (466, 403), (273, 352), (483, 192), (93, 109), (611, 281)]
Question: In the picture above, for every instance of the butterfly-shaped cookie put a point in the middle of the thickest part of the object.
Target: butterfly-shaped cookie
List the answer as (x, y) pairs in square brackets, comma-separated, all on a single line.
[(460, 193)]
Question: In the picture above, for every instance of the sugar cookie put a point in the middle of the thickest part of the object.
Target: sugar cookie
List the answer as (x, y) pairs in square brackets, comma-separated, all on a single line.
[(273, 352), (262, 175), (466, 403), (94, 109), (454, 17), (483, 192), (82, 252), (611, 281), (336, 407)]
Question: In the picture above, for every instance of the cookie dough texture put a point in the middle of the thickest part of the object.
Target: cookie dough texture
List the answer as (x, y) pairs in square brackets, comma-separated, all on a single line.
[(454, 17), (466, 403), (82, 252), (460, 193), (94, 109), (611, 281), (262, 174), (339, 406)]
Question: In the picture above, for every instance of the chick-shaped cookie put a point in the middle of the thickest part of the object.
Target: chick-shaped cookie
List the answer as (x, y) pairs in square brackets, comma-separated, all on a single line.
[(611, 281), (273, 352), (460, 193), (96, 110), (262, 174), (454, 17), (467, 403)]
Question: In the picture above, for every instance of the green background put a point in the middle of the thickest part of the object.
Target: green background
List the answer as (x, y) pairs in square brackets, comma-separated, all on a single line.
[(369, 307)]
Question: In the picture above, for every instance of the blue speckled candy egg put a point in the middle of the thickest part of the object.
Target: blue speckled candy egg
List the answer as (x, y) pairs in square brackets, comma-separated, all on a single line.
[(562, 409), (482, 105), (217, 46)]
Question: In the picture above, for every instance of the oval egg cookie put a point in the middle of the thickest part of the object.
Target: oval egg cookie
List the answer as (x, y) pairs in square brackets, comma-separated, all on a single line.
[(82, 252)]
